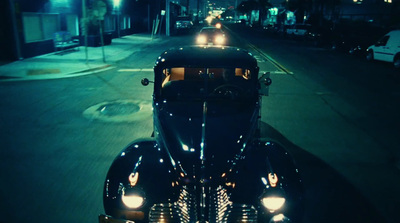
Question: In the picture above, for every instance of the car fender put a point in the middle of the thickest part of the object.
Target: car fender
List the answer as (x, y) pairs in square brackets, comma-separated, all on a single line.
[(155, 176), (265, 167)]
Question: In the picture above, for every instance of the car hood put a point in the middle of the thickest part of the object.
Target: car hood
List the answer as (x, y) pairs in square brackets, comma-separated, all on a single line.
[(212, 132)]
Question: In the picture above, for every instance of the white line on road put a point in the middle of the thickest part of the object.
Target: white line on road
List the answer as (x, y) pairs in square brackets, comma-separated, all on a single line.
[(136, 70), (274, 72)]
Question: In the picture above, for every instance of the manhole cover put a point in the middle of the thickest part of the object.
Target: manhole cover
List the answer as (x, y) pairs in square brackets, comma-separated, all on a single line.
[(120, 111), (118, 108)]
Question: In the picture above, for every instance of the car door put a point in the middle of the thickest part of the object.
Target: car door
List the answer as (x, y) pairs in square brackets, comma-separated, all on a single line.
[(382, 50)]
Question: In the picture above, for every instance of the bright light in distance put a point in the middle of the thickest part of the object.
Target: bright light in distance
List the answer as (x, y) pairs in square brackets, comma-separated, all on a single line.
[(116, 3), (201, 39), (132, 201), (220, 39), (273, 203), (209, 19), (218, 25)]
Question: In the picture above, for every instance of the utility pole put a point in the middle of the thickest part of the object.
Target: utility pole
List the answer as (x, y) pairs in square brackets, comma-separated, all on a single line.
[(85, 27), (236, 10), (167, 17), (16, 38), (198, 11), (187, 7)]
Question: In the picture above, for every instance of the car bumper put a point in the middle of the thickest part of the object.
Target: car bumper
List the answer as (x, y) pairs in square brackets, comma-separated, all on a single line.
[(108, 219)]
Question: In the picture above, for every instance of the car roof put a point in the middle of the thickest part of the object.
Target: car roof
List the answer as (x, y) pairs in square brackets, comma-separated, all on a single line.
[(206, 56)]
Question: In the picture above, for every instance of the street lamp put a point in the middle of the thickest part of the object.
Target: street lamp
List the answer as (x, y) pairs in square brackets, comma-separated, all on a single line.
[(116, 5)]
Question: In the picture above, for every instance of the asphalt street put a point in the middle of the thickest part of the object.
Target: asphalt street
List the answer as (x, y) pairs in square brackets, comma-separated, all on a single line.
[(333, 112)]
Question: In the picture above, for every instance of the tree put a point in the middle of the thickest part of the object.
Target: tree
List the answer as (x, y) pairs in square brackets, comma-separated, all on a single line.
[(246, 7), (317, 8)]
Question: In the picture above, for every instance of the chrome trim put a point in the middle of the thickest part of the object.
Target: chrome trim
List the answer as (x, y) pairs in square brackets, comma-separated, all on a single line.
[(182, 211), (221, 209), (108, 219)]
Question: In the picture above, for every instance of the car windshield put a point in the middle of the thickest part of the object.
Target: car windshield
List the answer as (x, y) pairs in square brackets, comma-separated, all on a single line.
[(182, 83)]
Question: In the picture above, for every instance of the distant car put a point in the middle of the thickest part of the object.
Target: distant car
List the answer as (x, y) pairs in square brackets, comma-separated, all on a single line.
[(298, 29), (211, 36), (322, 36), (387, 49), (183, 24)]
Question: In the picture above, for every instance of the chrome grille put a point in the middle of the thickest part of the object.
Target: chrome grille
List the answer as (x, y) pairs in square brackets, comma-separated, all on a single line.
[(164, 213), (182, 211), (219, 205), (223, 210), (241, 213)]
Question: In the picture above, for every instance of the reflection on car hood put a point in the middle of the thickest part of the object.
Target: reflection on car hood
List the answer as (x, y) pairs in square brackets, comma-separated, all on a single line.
[(227, 128)]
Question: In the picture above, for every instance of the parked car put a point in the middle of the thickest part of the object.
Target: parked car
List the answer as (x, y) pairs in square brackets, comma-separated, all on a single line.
[(206, 160), (183, 24), (354, 44), (386, 49), (298, 29), (354, 38), (211, 35)]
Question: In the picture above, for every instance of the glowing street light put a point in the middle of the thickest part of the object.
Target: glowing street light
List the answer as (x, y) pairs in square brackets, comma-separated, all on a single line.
[(116, 3)]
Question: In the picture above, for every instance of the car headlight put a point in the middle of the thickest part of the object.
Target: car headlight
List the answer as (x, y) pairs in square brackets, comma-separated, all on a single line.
[(279, 218), (273, 203), (220, 40), (132, 200), (201, 39)]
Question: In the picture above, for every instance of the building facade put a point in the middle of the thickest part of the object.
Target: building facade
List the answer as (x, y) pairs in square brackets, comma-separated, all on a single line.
[(28, 26)]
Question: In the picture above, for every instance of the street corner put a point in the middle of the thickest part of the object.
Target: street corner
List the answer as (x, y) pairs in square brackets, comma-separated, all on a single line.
[(46, 72)]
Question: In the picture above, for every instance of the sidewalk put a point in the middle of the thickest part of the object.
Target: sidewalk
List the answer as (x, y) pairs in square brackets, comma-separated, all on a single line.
[(72, 63)]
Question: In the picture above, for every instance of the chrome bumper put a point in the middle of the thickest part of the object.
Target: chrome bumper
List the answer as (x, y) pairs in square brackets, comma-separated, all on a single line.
[(108, 219)]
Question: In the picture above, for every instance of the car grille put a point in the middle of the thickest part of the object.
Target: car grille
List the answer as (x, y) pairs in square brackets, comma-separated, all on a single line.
[(182, 211), (221, 209)]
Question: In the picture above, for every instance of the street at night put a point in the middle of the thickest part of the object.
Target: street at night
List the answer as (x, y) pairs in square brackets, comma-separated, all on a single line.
[(337, 115)]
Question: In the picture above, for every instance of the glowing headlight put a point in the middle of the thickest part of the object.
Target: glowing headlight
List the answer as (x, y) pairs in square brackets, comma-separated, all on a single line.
[(220, 40), (280, 218), (201, 39), (209, 19), (273, 203), (132, 201)]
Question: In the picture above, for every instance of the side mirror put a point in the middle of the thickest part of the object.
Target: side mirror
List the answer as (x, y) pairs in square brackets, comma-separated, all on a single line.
[(265, 81), (146, 81)]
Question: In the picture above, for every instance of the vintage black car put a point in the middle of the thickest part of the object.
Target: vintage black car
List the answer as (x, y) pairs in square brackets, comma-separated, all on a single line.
[(205, 161)]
